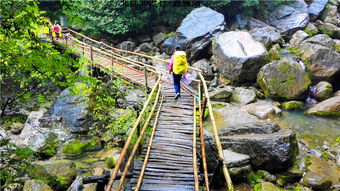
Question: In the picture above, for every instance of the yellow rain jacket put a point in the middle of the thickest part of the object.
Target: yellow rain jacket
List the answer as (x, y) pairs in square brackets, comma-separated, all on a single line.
[(180, 65)]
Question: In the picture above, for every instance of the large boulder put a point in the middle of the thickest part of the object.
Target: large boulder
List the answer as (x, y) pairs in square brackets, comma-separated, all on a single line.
[(324, 61), (264, 33), (330, 15), (289, 18), (331, 30), (127, 45), (196, 32), (268, 147), (283, 79), (316, 181), (222, 94), (204, 65), (71, 107), (262, 110), (238, 56), (316, 8), (64, 171), (159, 38), (324, 90), (328, 107)]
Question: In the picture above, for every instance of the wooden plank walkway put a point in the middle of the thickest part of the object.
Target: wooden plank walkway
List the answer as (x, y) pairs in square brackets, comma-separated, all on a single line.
[(170, 164)]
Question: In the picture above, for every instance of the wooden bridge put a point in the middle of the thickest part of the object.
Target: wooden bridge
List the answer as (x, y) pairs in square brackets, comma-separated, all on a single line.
[(169, 158)]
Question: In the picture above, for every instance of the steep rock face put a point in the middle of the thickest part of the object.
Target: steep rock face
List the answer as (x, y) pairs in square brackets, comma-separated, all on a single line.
[(282, 79), (268, 147), (71, 108), (289, 18), (328, 107), (238, 56), (324, 61), (316, 8), (196, 32)]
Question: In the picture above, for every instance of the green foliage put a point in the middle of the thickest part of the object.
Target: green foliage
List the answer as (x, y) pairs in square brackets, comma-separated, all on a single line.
[(310, 33), (14, 163), (50, 147), (295, 51), (29, 66)]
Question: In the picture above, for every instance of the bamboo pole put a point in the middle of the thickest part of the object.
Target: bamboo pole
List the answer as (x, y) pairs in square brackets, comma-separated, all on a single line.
[(126, 146), (204, 160), (135, 148), (140, 178), (217, 139), (133, 53), (146, 81), (194, 159)]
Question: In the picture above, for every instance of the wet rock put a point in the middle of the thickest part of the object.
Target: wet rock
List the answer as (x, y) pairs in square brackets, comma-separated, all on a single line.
[(243, 96), (159, 38), (74, 147), (316, 181), (127, 45), (283, 79), (266, 186), (254, 23), (266, 35), (289, 18), (269, 148), (316, 8), (262, 110), (16, 128), (204, 65), (234, 159), (239, 172), (292, 105), (222, 94), (324, 90), (36, 185), (64, 171), (242, 20), (238, 56), (207, 24), (328, 107), (331, 30), (298, 38), (266, 175), (234, 115), (72, 109), (329, 15)]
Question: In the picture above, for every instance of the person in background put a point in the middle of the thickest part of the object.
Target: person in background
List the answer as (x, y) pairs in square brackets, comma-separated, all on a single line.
[(57, 29), (178, 66)]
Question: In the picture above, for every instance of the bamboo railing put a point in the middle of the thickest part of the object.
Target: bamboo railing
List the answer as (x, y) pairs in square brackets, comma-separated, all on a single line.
[(216, 138)]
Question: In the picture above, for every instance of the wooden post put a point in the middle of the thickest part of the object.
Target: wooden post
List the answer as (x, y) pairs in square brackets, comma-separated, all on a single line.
[(204, 107), (146, 80), (91, 53), (66, 41), (112, 56), (84, 46)]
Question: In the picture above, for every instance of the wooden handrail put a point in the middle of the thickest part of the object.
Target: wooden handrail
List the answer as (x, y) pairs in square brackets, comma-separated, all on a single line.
[(194, 158), (128, 141), (217, 139), (130, 52), (134, 150)]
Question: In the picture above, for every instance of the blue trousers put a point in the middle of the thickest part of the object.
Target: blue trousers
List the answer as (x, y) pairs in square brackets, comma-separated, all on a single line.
[(177, 82)]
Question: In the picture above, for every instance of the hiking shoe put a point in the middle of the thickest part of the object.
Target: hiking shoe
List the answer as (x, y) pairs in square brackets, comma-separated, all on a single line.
[(177, 95)]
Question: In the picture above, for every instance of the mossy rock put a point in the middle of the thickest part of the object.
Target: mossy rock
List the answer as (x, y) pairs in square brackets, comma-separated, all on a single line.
[(266, 186), (94, 144), (50, 147), (110, 162), (316, 181), (74, 147), (36, 185), (293, 105)]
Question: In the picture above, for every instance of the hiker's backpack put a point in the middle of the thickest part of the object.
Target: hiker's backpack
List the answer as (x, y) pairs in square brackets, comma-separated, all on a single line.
[(180, 65)]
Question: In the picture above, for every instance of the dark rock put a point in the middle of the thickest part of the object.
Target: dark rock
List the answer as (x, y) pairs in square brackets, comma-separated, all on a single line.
[(72, 110), (316, 8), (196, 32), (289, 18), (234, 159), (242, 20), (143, 38), (283, 79), (269, 148), (127, 45), (331, 30), (267, 35), (146, 48), (316, 181), (204, 65), (238, 56), (211, 151)]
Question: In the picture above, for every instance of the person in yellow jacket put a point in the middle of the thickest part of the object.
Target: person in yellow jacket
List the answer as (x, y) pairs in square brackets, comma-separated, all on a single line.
[(178, 66)]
